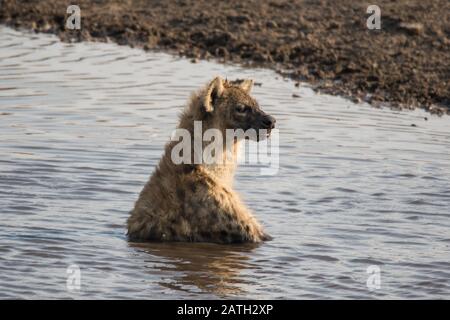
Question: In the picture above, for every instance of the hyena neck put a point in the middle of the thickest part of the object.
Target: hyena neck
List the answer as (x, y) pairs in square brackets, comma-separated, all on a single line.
[(225, 166), (222, 166)]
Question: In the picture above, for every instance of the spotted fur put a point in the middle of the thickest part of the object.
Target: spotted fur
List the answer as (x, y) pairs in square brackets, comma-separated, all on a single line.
[(196, 202)]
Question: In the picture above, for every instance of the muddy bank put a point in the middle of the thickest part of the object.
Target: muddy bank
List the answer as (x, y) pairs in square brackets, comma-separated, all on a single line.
[(326, 43)]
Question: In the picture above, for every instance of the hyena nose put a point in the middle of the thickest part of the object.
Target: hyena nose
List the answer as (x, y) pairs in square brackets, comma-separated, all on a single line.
[(269, 122)]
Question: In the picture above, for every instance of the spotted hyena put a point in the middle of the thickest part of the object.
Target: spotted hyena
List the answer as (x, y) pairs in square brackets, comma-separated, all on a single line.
[(196, 202)]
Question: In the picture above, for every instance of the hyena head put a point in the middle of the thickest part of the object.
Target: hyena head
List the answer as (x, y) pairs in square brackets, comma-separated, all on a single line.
[(230, 106)]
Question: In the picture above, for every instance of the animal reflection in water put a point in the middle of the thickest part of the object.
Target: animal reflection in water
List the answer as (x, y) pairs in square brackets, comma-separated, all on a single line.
[(201, 266)]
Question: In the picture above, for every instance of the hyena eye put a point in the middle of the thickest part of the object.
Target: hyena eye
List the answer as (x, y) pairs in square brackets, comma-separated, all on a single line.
[(241, 108)]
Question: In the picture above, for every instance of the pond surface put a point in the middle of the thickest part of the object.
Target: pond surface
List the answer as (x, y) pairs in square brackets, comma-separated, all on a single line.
[(82, 127)]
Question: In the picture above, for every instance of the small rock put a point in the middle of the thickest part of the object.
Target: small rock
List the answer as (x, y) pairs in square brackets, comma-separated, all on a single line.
[(334, 25), (221, 52), (356, 99), (271, 24), (413, 28), (238, 18), (46, 27)]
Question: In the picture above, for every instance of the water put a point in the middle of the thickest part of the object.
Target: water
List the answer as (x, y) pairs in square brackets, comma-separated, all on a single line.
[(83, 125)]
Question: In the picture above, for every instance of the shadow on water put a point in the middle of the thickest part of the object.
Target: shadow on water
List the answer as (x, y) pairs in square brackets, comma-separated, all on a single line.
[(203, 267)]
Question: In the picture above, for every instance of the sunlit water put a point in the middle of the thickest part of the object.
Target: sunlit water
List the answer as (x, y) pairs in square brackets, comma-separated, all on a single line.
[(82, 127)]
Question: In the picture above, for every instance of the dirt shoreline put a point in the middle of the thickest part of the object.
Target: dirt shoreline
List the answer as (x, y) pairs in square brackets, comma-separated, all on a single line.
[(406, 64)]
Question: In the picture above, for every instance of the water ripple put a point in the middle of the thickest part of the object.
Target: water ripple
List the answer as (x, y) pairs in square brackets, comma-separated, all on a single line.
[(83, 125)]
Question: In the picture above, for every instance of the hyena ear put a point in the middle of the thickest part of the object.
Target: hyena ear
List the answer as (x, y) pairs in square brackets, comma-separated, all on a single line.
[(246, 85), (214, 91)]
